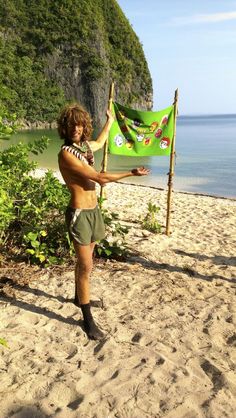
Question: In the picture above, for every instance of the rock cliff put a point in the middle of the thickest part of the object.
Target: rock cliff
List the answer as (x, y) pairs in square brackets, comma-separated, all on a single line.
[(74, 51)]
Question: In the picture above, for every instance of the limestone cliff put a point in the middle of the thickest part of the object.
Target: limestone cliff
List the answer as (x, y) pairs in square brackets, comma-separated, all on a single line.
[(74, 50)]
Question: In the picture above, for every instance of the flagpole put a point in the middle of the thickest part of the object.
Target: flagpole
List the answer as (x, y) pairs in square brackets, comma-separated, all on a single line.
[(105, 149), (172, 162)]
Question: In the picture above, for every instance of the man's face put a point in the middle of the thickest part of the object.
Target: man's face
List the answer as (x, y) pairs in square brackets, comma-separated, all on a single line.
[(76, 132)]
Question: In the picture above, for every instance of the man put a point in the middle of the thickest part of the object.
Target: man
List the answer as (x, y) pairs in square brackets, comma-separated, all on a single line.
[(83, 216)]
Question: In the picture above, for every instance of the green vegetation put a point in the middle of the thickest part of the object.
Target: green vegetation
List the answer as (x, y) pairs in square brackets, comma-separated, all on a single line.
[(24, 87), (31, 209), (114, 245), (32, 223), (43, 44), (32, 212), (8, 125), (150, 221), (3, 342), (127, 60)]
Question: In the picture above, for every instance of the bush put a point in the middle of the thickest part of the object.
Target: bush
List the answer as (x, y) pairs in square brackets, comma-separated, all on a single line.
[(150, 221), (114, 245), (8, 124), (32, 211)]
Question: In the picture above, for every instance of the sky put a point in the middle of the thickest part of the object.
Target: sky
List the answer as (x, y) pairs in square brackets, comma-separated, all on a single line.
[(189, 45)]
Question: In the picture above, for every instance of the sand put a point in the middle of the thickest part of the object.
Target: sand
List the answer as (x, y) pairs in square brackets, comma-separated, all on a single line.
[(169, 314)]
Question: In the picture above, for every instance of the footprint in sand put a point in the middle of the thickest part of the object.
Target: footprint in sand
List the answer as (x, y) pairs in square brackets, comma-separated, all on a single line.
[(6, 379), (137, 337), (142, 339), (214, 374), (231, 340), (30, 318), (28, 412), (75, 404), (61, 395), (160, 360), (63, 350)]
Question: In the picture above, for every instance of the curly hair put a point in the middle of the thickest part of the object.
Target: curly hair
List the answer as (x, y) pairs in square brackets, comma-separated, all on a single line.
[(71, 115)]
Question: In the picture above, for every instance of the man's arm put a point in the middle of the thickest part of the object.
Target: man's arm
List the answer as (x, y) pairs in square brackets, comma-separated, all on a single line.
[(69, 162), (102, 137)]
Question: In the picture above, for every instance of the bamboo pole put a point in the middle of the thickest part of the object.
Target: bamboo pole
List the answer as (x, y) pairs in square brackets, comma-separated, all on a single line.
[(172, 162), (105, 149)]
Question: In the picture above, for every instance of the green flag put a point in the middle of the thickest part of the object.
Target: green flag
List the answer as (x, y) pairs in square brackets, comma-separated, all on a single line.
[(141, 133)]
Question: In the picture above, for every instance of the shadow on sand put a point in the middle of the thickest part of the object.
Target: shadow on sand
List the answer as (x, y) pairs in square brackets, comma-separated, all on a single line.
[(215, 259), (153, 265)]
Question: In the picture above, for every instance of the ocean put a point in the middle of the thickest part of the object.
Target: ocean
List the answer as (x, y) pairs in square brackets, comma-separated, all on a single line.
[(205, 156)]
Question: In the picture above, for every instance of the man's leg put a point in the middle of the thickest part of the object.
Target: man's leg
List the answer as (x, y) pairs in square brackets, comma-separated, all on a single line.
[(77, 300), (83, 270)]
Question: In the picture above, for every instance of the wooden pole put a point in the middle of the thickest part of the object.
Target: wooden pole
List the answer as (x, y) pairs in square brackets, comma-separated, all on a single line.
[(105, 149), (172, 162)]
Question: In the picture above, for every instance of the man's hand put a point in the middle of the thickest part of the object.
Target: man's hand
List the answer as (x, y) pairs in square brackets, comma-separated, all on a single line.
[(110, 117), (141, 171)]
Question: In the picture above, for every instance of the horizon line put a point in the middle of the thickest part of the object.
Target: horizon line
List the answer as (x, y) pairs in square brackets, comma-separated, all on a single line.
[(207, 114)]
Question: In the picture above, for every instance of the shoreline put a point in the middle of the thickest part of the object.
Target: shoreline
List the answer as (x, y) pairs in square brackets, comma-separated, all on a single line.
[(181, 191), (40, 172)]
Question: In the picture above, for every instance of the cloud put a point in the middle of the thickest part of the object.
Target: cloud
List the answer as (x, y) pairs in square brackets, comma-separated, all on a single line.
[(208, 18)]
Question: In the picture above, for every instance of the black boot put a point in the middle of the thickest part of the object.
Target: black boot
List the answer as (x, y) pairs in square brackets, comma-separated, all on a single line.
[(76, 299), (91, 329)]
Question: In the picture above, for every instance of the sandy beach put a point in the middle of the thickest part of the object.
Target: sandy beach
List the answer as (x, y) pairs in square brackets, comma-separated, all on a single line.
[(168, 312)]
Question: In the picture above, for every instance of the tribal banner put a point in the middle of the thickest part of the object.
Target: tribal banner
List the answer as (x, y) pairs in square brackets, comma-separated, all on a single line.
[(141, 133)]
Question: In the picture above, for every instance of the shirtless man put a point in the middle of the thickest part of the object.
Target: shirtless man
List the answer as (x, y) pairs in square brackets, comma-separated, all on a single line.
[(83, 216)]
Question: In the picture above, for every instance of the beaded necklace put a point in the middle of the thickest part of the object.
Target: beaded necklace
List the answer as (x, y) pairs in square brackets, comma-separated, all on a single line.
[(83, 152)]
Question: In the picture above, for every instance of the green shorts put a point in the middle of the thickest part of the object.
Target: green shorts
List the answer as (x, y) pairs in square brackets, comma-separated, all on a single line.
[(85, 225)]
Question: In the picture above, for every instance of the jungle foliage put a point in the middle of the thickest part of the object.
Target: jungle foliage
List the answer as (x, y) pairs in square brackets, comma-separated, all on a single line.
[(95, 34)]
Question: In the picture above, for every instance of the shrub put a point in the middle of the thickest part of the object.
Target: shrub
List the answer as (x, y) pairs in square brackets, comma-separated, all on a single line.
[(114, 245), (32, 211), (150, 221)]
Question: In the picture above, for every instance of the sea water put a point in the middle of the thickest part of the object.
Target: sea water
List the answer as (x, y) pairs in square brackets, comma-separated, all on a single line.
[(205, 156)]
